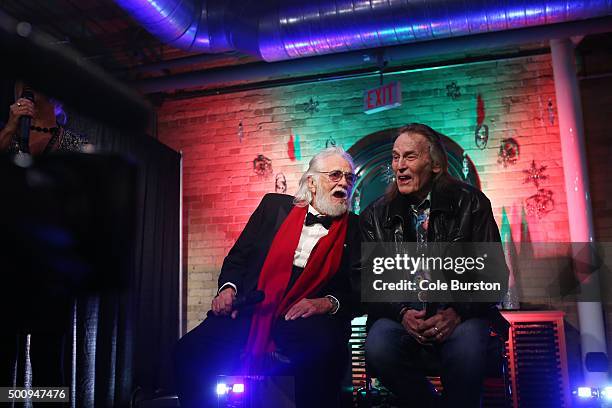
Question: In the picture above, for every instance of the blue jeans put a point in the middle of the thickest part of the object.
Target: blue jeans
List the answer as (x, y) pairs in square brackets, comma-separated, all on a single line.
[(401, 363)]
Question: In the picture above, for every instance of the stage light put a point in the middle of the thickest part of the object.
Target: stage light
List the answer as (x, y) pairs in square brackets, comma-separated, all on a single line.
[(606, 393), (585, 392), (222, 389), (237, 388)]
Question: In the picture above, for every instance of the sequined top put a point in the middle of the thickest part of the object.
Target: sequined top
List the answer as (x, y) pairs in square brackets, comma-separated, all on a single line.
[(69, 141)]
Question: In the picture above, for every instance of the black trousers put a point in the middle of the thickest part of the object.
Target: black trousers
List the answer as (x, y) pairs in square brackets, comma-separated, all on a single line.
[(317, 347)]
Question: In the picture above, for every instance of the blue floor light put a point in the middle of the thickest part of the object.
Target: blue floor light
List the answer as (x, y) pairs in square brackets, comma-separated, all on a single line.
[(606, 393), (222, 389), (585, 392)]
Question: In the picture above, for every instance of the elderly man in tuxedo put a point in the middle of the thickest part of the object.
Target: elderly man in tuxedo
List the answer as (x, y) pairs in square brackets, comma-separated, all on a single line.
[(302, 252)]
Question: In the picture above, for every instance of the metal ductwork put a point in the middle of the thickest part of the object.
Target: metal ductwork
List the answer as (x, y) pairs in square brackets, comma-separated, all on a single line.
[(283, 29), (192, 25)]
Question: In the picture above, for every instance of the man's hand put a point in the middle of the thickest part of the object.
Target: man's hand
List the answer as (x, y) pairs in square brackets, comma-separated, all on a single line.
[(309, 307), (440, 326), (223, 302), (412, 320)]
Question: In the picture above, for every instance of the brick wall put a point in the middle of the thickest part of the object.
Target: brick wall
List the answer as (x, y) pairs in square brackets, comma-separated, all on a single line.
[(221, 189)]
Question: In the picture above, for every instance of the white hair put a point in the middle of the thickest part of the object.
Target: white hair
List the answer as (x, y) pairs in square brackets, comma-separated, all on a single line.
[(303, 195)]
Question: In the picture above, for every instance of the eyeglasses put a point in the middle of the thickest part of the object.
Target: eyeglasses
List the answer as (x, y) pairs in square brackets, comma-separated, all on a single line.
[(336, 175)]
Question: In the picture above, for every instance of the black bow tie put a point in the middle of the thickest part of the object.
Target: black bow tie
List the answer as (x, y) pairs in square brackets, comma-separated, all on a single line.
[(324, 220)]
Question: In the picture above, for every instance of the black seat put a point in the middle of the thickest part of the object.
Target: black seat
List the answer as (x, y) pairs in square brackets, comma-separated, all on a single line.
[(496, 393)]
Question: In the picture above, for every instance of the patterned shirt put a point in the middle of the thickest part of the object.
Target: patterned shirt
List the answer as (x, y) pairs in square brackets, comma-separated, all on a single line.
[(421, 225), (69, 141), (421, 214)]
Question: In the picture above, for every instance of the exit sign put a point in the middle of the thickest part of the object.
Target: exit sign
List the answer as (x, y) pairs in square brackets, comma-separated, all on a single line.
[(384, 97)]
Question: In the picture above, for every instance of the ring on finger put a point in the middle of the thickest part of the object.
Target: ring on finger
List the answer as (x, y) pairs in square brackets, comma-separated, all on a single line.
[(436, 330), (18, 104)]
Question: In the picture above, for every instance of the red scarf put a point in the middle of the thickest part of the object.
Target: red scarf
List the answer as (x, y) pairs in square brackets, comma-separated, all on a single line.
[(322, 265)]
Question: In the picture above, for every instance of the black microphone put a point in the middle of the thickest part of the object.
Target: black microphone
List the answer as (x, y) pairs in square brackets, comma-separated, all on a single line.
[(25, 122), (249, 299)]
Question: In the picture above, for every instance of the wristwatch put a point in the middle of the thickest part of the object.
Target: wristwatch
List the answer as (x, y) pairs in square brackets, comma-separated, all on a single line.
[(335, 304)]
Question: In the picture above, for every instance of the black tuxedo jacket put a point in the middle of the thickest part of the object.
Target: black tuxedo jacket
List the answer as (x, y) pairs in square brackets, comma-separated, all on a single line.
[(244, 261)]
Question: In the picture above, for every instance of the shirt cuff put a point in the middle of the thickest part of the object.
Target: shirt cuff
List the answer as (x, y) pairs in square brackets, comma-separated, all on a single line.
[(403, 309), (225, 285), (337, 302)]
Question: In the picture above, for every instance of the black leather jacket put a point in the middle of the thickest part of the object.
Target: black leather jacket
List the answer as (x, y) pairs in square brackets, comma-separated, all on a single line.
[(459, 213)]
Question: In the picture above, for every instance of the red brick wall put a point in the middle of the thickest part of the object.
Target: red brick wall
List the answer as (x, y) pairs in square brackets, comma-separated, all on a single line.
[(221, 189)]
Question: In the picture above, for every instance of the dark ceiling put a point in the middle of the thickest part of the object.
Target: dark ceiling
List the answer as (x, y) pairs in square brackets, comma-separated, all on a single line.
[(105, 35), (99, 30)]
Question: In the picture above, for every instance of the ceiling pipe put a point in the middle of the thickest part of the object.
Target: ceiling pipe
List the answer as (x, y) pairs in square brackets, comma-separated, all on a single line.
[(260, 71), (193, 25), (281, 30), (164, 65)]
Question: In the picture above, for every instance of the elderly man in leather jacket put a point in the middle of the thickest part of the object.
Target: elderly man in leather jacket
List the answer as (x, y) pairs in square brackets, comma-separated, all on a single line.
[(425, 204)]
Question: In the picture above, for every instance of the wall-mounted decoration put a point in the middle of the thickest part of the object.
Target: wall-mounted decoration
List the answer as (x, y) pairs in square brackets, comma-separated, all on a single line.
[(383, 97), (465, 168), (240, 132), (330, 142), (540, 203), (262, 166), (481, 136), (540, 111), (508, 152), (481, 133), (551, 112), (387, 174), (294, 151), (535, 174), (311, 106), (280, 183), (453, 91)]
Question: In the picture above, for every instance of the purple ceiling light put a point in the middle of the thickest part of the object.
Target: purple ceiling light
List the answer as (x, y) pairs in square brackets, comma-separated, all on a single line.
[(288, 29), (195, 25)]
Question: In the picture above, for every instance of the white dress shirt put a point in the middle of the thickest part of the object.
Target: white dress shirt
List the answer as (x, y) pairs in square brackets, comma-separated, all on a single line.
[(311, 234)]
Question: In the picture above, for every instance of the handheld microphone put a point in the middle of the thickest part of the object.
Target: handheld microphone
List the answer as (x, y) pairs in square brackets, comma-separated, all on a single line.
[(249, 299), (25, 122)]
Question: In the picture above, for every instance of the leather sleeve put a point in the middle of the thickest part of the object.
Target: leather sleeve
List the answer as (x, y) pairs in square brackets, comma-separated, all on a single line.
[(370, 227), (484, 229)]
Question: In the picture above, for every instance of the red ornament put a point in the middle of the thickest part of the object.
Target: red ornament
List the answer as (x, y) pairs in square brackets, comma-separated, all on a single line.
[(535, 174), (291, 148), (480, 111), (508, 152)]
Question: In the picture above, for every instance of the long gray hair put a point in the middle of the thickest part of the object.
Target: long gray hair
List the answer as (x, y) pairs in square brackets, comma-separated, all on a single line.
[(303, 196)]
